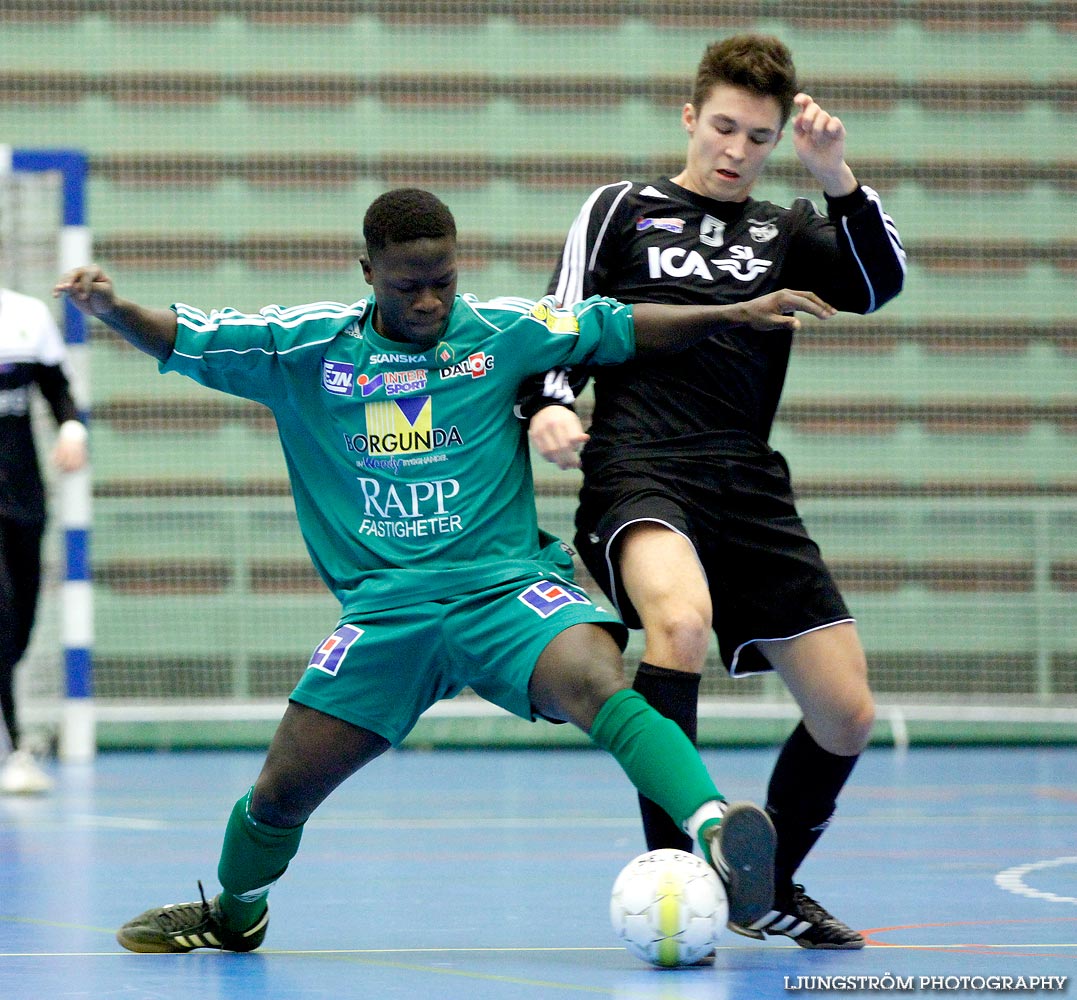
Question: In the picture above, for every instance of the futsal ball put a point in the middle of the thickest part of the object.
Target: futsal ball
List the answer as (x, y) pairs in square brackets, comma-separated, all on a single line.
[(668, 907)]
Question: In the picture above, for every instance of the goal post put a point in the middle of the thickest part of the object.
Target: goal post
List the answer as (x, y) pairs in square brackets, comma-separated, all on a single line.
[(43, 232)]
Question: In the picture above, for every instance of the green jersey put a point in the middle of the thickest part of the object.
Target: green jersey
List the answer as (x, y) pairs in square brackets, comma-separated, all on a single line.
[(410, 473)]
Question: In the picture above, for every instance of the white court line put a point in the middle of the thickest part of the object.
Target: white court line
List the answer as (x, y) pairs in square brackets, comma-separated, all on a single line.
[(523, 950), (118, 822), (1013, 880)]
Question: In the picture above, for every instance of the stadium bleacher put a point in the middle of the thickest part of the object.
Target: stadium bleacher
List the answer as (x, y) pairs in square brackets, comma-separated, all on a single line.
[(917, 437)]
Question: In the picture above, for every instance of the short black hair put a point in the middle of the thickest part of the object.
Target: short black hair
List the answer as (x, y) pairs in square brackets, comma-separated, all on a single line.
[(761, 64), (406, 214)]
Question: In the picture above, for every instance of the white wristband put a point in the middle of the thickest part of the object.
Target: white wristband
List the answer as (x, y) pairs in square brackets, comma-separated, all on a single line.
[(73, 431)]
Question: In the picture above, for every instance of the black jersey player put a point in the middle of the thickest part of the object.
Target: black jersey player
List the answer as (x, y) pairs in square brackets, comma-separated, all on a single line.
[(686, 515)]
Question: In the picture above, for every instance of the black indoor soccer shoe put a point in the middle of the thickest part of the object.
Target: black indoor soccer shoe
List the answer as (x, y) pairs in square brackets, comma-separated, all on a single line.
[(182, 927), (801, 918), (741, 850)]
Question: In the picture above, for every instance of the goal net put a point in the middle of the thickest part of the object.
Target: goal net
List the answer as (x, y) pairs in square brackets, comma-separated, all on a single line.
[(233, 148)]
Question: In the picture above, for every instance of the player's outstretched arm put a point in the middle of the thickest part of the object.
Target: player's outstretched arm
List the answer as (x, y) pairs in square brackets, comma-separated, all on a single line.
[(92, 292), (671, 328)]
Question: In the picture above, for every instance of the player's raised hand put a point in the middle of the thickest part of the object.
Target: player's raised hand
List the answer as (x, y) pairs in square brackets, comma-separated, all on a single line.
[(89, 289), (819, 140), (774, 311), (558, 435)]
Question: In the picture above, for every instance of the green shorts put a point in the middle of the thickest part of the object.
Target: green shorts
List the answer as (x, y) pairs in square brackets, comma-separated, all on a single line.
[(383, 670)]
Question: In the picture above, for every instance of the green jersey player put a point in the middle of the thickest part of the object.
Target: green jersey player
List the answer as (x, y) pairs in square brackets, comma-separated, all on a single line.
[(413, 489)]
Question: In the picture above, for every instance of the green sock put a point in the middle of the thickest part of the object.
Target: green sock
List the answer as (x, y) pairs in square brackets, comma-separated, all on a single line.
[(253, 857), (655, 754)]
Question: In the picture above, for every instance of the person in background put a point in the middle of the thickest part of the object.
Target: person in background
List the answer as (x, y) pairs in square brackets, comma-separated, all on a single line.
[(31, 353)]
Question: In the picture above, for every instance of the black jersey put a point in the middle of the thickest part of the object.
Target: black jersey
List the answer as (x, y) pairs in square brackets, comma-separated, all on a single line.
[(658, 242), (31, 353)]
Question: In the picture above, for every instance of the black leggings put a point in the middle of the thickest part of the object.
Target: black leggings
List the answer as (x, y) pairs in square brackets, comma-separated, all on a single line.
[(20, 580)]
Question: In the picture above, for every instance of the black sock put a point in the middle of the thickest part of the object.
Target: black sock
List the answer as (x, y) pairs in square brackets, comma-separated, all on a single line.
[(801, 798), (10, 739), (674, 693)]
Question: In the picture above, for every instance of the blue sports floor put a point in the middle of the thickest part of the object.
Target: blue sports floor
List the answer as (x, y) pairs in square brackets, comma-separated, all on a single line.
[(486, 876)]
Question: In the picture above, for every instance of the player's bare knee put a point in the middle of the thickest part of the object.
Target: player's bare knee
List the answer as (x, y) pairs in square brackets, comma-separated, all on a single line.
[(680, 636), (861, 725), (852, 712), (860, 717), (847, 730)]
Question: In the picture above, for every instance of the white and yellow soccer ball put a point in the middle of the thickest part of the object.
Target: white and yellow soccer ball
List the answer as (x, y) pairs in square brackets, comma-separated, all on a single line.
[(668, 908)]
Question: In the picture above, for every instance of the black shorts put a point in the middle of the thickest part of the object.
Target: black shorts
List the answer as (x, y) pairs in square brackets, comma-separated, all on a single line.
[(766, 576)]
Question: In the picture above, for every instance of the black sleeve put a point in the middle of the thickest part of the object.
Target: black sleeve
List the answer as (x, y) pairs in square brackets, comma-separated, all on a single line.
[(854, 258), (558, 386), (54, 386)]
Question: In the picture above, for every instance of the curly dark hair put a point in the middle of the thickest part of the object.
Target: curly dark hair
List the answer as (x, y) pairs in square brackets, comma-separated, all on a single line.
[(406, 214), (761, 64)]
